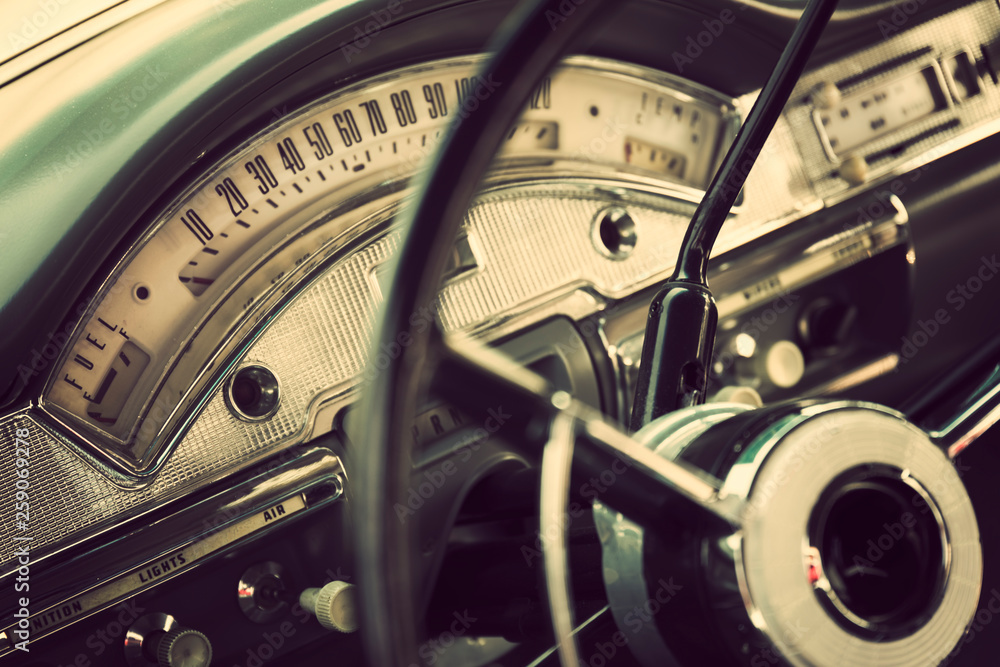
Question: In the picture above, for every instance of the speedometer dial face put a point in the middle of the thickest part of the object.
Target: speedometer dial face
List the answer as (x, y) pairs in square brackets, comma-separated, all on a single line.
[(157, 329)]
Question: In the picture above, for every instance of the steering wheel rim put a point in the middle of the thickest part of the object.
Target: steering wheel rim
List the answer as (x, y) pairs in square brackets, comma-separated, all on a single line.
[(535, 36)]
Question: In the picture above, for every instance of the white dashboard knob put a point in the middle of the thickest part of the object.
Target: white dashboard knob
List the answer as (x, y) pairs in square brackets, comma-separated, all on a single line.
[(335, 605), (784, 364), (854, 170), (737, 394)]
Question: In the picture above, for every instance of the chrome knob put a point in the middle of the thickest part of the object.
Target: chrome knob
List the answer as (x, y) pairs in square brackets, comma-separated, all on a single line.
[(783, 364), (183, 647), (159, 639)]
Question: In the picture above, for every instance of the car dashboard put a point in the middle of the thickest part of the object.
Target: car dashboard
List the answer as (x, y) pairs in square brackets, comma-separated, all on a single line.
[(201, 206)]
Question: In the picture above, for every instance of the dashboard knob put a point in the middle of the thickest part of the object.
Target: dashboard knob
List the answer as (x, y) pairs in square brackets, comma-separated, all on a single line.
[(335, 605), (827, 323), (737, 394), (854, 170), (781, 365), (183, 647), (784, 364), (826, 95)]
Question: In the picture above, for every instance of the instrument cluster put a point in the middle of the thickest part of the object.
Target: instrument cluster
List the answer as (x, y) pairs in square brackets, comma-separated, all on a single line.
[(238, 327)]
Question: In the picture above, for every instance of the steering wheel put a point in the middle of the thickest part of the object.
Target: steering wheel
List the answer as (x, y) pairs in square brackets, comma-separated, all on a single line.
[(571, 433)]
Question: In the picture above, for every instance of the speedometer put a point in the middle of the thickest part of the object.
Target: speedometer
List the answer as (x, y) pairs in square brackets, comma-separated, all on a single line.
[(151, 342)]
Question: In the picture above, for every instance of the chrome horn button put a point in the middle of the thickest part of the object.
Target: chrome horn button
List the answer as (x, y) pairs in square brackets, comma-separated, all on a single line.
[(801, 579), (877, 556)]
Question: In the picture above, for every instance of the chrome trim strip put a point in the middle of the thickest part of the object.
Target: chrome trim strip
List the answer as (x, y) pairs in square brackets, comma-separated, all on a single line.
[(973, 421), (870, 371), (222, 521)]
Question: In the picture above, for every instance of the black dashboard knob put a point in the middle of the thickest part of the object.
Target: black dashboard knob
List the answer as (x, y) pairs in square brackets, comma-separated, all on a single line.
[(827, 323), (183, 647)]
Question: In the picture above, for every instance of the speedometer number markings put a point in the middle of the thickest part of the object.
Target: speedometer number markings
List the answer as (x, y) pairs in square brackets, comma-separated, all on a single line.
[(197, 226), (403, 106), (541, 98), (347, 127), (375, 119), (233, 196), (434, 96), (290, 157), (318, 141), (262, 174)]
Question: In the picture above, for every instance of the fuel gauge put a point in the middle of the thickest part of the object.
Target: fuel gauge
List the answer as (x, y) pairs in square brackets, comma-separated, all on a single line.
[(101, 374), (116, 387)]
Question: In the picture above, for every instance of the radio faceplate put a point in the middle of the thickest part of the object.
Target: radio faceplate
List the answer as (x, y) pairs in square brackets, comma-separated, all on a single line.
[(916, 96)]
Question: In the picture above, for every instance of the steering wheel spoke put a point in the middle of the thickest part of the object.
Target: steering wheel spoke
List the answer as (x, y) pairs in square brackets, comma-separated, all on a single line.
[(465, 373)]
